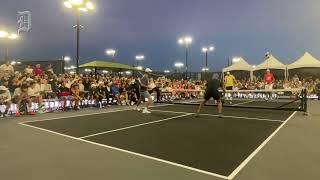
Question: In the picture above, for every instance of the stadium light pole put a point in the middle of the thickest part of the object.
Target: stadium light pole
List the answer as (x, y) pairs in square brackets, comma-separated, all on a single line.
[(66, 60), (112, 53), (139, 58), (79, 6), (8, 37), (186, 41), (206, 50)]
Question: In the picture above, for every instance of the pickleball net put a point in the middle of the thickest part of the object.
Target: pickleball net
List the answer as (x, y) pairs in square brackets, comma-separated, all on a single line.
[(277, 99)]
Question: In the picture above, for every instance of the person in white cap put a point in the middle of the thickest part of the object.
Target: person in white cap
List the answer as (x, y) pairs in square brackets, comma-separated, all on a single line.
[(229, 83), (144, 94), (5, 99)]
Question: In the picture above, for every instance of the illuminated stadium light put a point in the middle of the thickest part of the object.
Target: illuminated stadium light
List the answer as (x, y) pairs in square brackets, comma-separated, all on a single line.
[(66, 58), (78, 6), (105, 72), (13, 63), (236, 59), (207, 49), (166, 71), (140, 57), (73, 67), (205, 69), (139, 67), (178, 64), (72, 72), (111, 52), (128, 72), (87, 70), (186, 40)]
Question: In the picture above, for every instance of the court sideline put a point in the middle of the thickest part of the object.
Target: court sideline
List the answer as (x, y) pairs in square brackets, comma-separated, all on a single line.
[(24, 154)]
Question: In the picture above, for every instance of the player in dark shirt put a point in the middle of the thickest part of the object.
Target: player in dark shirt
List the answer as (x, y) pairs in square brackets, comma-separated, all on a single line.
[(213, 91)]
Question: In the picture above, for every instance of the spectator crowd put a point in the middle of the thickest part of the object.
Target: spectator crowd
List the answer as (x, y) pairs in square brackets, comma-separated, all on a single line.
[(33, 89)]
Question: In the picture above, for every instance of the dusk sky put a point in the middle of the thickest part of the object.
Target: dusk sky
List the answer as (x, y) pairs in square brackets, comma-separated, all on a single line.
[(246, 28)]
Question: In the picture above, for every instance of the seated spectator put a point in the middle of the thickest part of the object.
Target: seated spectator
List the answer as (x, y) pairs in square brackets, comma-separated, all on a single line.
[(116, 93), (21, 95), (28, 70), (6, 70), (101, 94), (5, 99), (34, 93), (75, 92), (93, 95), (64, 94)]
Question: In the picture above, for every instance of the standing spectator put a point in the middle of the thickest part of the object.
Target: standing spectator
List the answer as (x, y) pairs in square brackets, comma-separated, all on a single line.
[(37, 70), (5, 99), (49, 70), (6, 70), (269, 80), (28, 70)]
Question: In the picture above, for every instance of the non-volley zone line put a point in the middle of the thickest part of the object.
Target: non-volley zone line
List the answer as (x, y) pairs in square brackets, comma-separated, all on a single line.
[(213, 115)]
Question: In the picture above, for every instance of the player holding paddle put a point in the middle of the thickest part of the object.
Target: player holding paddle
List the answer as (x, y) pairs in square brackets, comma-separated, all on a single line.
[(214, 86), (144, 94)]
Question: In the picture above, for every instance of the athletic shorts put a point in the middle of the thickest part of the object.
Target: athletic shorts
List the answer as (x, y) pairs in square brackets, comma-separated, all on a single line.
[(268, 86), (215, 95), (145, 94), (229, 87)]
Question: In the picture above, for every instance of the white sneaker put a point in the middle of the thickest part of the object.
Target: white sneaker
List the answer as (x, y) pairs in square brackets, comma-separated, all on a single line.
[(145, 111)]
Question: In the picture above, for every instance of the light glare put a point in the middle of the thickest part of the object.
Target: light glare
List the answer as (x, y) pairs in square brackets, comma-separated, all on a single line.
[(3, 34), (13, 36), (67, 4), (76, 2), (90, 5)]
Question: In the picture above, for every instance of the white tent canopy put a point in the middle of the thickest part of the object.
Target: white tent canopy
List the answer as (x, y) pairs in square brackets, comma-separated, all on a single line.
[(270, 63), (306, 61), (241, 65)]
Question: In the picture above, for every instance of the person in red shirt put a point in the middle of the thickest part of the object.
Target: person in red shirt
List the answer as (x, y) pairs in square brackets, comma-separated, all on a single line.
[(268, 83), (37, 70)]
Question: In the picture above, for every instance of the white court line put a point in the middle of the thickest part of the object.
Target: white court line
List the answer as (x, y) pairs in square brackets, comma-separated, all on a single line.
[(130, 152), (138, 125), (90, 114), (246, 161), (233, 117), (242, 103)]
